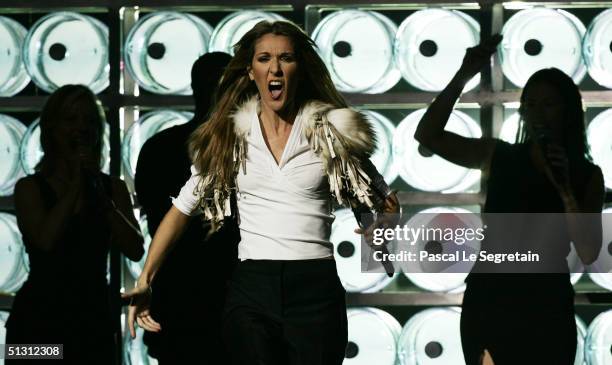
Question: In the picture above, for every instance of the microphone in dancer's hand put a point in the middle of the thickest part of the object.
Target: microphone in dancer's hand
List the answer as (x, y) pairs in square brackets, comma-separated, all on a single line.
[(545, 139), (366, 219), (93, 182)]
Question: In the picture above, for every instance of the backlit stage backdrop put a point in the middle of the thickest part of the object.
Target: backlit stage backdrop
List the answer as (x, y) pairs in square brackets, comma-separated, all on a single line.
[(388, 59)]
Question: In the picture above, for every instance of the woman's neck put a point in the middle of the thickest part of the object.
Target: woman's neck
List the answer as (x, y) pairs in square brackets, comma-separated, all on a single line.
[(62, 170), (277, 121)]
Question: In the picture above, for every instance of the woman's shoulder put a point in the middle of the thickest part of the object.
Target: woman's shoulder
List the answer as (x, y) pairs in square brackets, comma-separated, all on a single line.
[(584, 166), (31, 183), (591, 172), (30, 179), (34, 192), (26, 184), (115, 183), (588, 184), (503, 150), (349, 124), (592, 167), (509, 147), (243, 115)]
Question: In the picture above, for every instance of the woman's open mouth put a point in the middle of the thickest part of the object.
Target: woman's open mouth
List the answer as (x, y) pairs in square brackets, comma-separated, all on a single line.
[(276, 88)]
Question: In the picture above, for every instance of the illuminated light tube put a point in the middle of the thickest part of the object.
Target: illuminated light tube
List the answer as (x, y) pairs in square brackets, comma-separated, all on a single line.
[(67, 48), (357, 47), (231, 28), (540, 38), (365, 349), (13, 74), (161, 49), (14, 263), (425, 54), (597, 50), (11, 134)]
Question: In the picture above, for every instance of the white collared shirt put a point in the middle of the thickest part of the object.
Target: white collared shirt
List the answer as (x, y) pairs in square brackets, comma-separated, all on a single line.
[(285, 208)]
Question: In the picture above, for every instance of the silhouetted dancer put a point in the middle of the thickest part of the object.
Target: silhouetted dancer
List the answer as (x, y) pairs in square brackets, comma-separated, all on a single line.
[(525, 317), (195, 269), (67, 212)]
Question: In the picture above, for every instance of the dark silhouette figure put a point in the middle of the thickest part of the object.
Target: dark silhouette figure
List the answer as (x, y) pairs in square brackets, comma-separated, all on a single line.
[(525, 318), (67, 216), (190, 328)]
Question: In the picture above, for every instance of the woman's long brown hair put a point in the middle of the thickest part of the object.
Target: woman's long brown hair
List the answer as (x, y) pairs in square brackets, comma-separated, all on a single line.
[(64, 101), (211, 146), (575, 141)]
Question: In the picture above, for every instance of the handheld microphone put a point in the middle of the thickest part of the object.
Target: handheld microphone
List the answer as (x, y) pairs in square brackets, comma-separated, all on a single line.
[(544, 138), (365, 219), (94, 186)]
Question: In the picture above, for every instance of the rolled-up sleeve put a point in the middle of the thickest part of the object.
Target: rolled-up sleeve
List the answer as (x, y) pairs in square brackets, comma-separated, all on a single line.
[(187, 200)]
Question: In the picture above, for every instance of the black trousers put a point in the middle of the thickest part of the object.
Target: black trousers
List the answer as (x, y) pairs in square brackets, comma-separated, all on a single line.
[(190, 335), (188, 346), (527, 321), (285, 313)]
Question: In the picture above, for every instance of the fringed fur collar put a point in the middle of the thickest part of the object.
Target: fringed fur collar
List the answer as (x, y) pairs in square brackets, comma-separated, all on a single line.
[(355, 133), (342, 137)]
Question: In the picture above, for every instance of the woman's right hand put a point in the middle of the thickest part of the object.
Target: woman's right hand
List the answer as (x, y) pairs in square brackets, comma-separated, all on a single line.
[(138, 310), (478, 56)]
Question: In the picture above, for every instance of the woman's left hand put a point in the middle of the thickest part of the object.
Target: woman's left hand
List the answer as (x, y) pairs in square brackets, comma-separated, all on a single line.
[(138, 310), (387, 218), (557, 169)]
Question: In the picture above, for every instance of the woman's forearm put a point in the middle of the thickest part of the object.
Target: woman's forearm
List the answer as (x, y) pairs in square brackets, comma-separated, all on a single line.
[(45, 232), (168, 232), (433, 122), (585, 230)]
